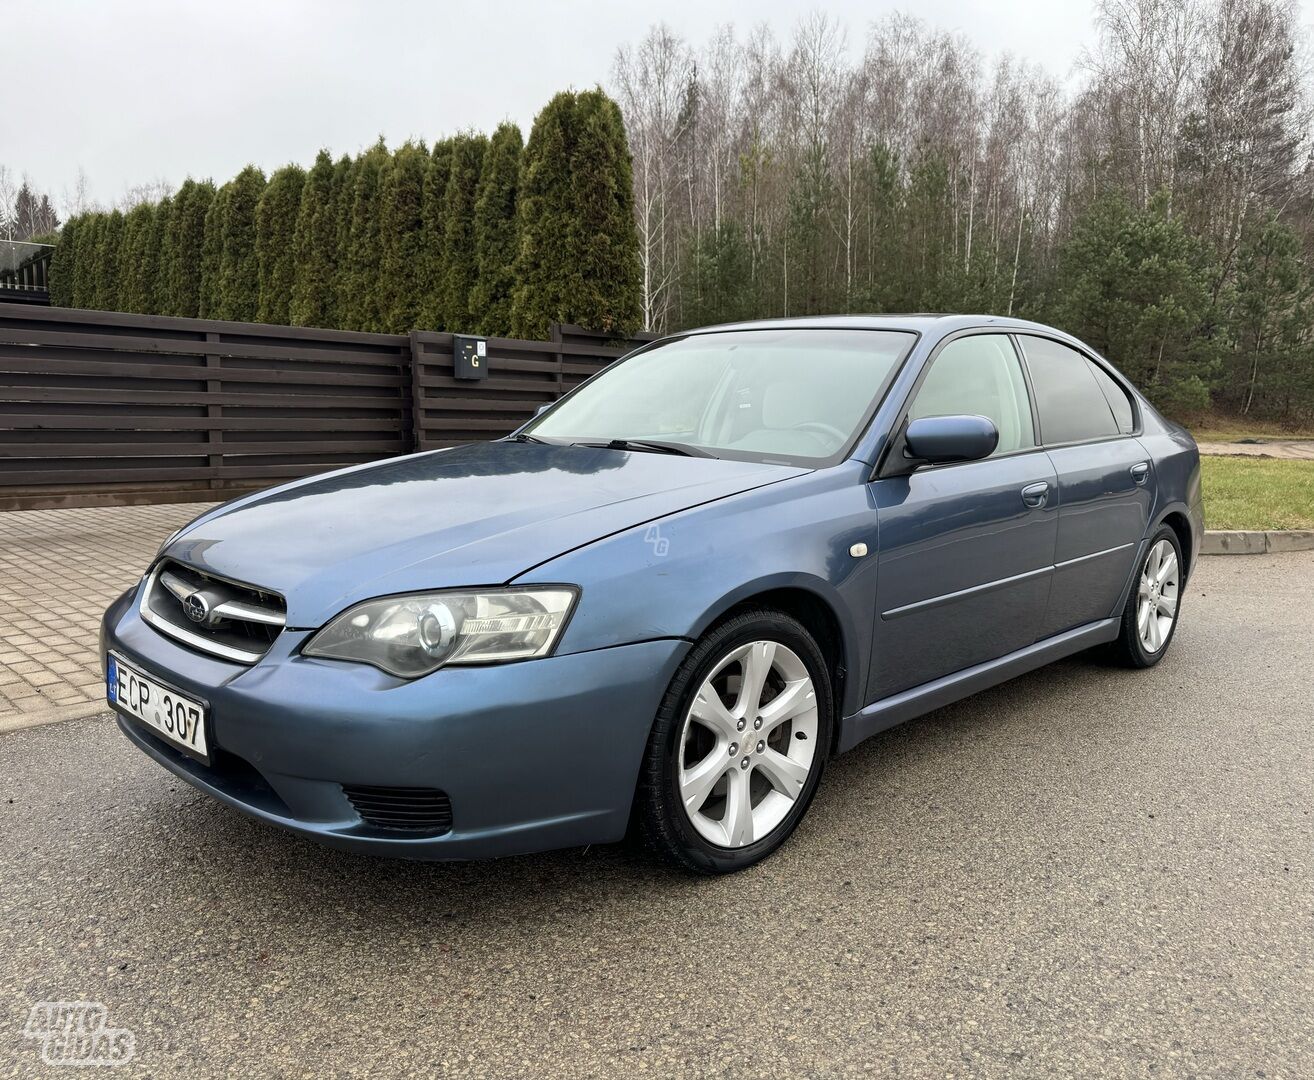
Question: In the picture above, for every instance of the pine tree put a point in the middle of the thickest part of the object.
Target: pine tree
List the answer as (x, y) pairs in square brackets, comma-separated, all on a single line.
[(63, 264), (435, 193), (458, 247), (136, 266), (315, 248), (495, 233), (210, 285), (1135, 285), (1271, 367), (108, 243), (363, 300), (239, 268), (578, 258), (184, 248), (402, 228), (276, 221)]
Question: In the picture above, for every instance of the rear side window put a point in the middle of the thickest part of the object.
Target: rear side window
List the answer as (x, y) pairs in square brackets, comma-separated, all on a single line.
[(1071, 404), (1117, 398), (979, 375)]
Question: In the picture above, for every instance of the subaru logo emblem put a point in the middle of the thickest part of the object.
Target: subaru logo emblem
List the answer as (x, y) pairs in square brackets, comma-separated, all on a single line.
[(196, 607)]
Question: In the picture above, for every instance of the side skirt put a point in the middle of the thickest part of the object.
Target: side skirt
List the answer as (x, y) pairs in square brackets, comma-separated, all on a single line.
[(894, 710)]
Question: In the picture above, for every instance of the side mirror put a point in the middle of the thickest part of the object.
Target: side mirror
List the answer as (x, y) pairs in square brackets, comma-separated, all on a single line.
[(942, 439)]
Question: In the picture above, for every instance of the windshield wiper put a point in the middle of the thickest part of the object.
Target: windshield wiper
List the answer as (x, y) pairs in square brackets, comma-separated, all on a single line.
[(521, 436), (651, 446)]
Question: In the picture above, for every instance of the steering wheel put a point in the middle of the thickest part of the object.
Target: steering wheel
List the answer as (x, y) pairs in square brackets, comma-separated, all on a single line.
[(826, 429)]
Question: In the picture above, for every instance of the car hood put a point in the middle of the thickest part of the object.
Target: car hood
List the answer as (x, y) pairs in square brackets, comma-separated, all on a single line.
[(475, 515)]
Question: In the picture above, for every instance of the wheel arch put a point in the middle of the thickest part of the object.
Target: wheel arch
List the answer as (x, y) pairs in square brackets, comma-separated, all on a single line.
[(1177, 519), (811, 603)]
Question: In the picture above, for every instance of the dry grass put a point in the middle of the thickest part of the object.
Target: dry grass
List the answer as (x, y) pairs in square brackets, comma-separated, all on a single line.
[(1215, 428)]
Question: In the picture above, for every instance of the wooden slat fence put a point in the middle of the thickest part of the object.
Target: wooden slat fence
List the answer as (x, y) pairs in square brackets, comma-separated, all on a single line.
[(110, 408)]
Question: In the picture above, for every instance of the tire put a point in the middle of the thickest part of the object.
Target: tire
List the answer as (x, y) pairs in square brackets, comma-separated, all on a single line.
[(1158, 587), (742, 804)]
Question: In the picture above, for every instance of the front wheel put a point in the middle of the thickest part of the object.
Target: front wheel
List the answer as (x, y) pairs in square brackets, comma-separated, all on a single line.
[(738, 746), (1150, 617)]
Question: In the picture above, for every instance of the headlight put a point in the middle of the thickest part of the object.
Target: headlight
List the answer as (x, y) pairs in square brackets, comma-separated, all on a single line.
[(410, 636)]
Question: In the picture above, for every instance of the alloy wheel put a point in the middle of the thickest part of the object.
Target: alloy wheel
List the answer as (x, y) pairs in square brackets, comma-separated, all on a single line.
[(1156, 606), (748, 744)]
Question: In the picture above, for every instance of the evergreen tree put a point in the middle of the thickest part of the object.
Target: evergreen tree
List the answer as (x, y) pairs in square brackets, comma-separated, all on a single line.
[(495, 235), (458, 246), (183, 250), (315, 248), (276, 221), (1270, 371), (239, 267), (578, 259), (159, 246), (1135, 286), (362, 302), (720, 285), (85, 248), (435, 194), (63, 264), (136, 266), (108, 243), (210, 285), (344, 196), (402, 227)]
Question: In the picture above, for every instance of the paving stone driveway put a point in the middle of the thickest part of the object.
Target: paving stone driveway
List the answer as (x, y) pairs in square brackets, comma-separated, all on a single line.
[(59, 570)]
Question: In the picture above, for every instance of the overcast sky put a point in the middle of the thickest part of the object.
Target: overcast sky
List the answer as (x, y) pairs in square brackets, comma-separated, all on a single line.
[(137, 90)]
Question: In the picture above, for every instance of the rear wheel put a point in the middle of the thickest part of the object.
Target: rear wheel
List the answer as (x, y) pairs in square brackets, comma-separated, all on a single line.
[(738, 746), (1150, 618)]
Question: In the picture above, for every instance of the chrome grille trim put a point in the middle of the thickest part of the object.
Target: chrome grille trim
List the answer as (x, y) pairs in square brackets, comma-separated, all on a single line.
[(164, 584)]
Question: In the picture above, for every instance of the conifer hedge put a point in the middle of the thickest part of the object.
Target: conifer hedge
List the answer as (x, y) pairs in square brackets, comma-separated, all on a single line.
[(481, 234)]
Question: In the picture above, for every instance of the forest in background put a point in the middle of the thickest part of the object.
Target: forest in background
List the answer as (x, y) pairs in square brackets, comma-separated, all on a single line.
[(1160, 210), (1161, 207)]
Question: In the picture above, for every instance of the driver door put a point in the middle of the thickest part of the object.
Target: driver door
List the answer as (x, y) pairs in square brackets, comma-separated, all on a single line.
[(966, 550)]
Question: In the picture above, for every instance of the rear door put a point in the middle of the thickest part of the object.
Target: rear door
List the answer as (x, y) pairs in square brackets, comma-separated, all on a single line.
[(1105, 480), (966, 549)]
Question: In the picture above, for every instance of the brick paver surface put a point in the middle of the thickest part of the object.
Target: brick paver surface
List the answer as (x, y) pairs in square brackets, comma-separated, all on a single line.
[(59, 570)]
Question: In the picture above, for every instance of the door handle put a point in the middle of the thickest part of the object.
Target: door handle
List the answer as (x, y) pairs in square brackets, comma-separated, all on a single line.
[(1141, 471), (1035, 494)]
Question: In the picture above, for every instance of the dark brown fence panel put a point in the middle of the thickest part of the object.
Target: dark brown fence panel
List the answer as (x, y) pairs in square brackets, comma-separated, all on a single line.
[(108, 407), (522, 375), (104, 407)]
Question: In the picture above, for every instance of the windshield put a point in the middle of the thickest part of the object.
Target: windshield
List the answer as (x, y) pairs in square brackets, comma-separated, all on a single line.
[(801, 395)]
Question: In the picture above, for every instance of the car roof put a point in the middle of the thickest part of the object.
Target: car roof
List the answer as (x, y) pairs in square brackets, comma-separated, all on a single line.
[(918, 322)]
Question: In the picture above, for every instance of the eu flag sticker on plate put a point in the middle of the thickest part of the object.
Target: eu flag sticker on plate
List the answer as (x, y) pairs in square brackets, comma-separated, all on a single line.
[(111, 678)]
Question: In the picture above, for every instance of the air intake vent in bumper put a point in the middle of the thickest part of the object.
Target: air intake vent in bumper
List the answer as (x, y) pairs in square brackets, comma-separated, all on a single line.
[(224, 618), (402, 809)]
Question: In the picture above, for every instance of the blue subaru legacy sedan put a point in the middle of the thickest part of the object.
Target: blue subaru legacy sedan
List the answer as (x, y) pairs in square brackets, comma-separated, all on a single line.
[(668, 599)]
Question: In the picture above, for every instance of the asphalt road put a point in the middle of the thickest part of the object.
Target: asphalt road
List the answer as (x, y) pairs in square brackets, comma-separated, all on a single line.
[(1088, 872)]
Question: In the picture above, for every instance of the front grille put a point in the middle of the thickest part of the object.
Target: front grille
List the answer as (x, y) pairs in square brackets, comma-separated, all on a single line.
[(402, 809), (217, 616)]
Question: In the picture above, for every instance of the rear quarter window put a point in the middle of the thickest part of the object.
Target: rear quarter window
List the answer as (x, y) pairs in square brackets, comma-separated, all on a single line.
[(1117, 398)]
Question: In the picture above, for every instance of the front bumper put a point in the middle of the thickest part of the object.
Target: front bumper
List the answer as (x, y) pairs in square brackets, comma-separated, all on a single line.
[(534, 755)]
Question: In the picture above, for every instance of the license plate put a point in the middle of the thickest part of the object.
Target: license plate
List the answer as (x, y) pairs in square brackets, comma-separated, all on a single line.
[(176, 718)]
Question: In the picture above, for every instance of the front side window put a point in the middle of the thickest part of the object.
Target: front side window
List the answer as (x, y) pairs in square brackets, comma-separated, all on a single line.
[(1071, 404), (979, 376), (795, 394)]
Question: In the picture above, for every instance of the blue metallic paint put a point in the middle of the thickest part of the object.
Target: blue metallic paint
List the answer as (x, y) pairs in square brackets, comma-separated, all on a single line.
[(956, 594)]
